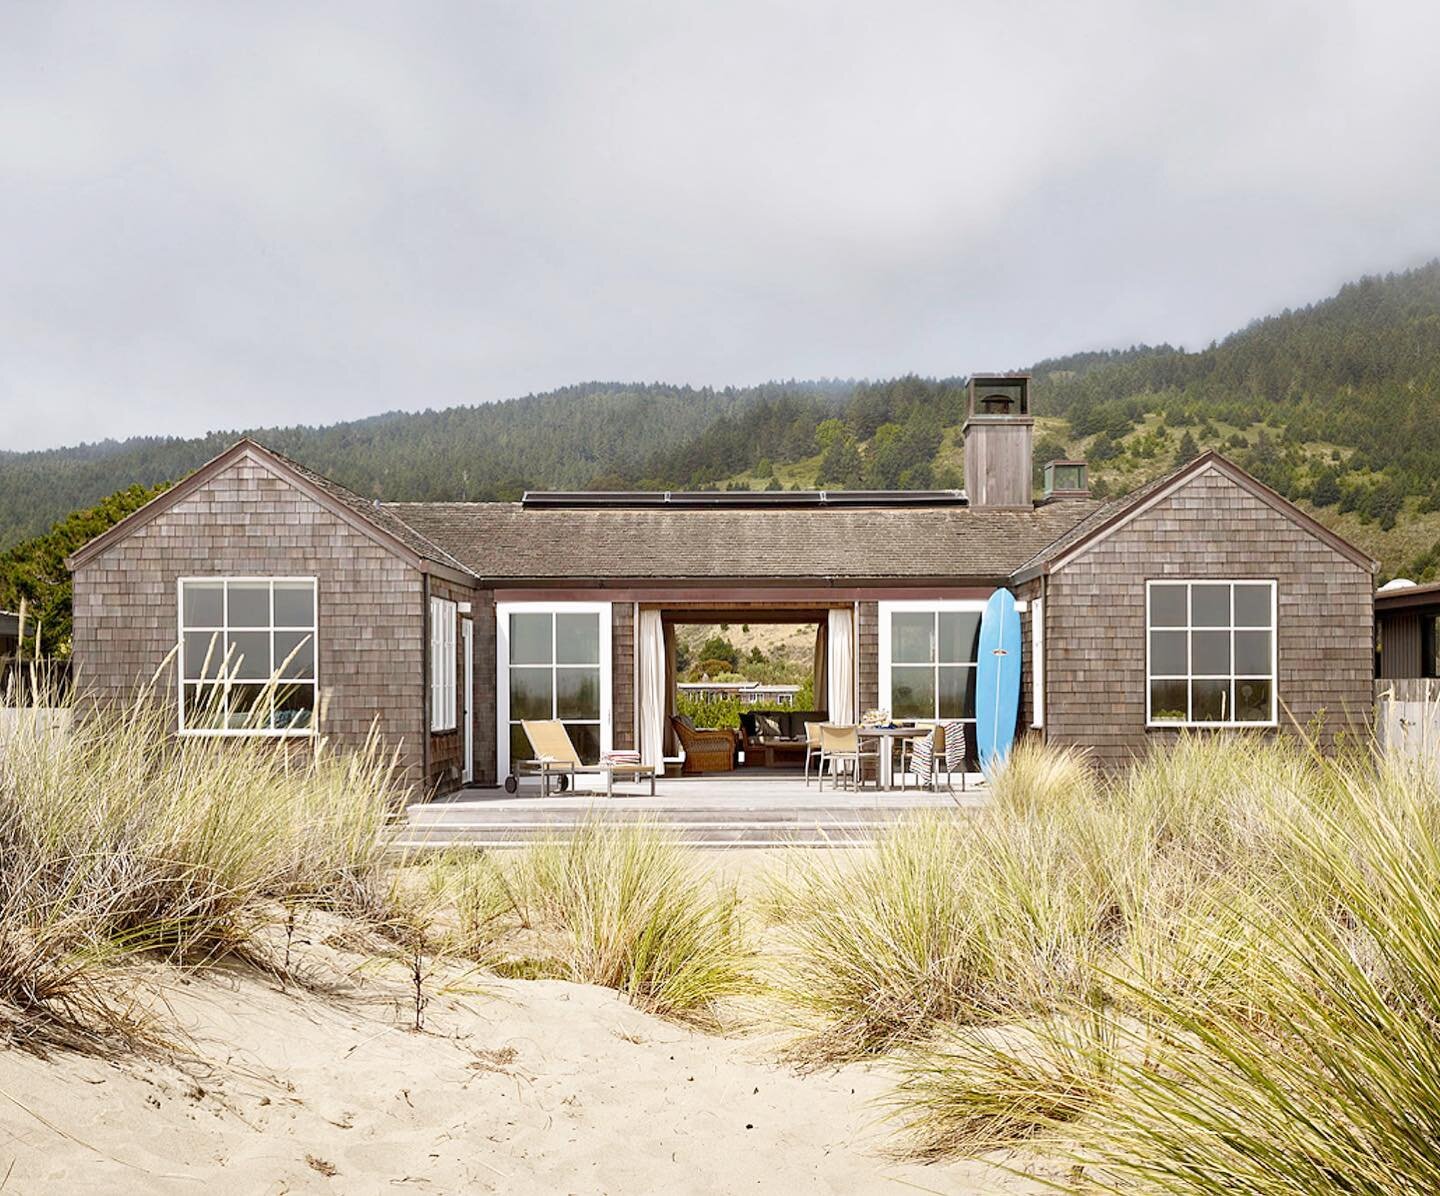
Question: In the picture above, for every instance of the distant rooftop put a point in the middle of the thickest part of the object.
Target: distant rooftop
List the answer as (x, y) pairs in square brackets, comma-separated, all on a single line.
[(621, 499)]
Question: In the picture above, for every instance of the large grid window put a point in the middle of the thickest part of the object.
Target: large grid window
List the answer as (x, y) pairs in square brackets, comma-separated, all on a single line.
[(1211, 652), (443, 616), (247, 655), (554, 669), (928, 661)]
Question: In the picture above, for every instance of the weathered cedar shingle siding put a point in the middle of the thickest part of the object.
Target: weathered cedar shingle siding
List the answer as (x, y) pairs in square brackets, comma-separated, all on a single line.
[(867, 658), (1211, 527), (1027, 592), (622, 674), (486, 708), (248, 521)]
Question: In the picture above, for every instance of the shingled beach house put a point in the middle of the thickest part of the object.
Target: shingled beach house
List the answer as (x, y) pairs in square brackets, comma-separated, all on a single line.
[(1203, 599)]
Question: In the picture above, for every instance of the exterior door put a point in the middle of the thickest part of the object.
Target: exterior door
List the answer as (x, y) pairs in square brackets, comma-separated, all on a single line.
[(467, 636), (552, 661)]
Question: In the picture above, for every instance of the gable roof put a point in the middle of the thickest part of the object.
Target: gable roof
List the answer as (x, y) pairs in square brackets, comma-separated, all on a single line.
[(1084, 535), (857, 539), (372, 511), (505, 541), (370, 518)]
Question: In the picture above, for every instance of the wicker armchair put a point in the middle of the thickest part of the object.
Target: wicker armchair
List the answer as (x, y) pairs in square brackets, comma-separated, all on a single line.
[(707, 749)]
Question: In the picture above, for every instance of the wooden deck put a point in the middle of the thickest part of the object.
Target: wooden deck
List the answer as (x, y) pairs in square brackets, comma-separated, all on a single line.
[(738, 810)]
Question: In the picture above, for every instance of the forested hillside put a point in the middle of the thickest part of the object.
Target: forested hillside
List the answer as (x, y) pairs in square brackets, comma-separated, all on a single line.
[(1336, 405), (494, 450)]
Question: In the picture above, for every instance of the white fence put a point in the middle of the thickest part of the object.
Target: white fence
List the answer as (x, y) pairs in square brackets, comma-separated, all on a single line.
[(31, 720), (1407, 717)]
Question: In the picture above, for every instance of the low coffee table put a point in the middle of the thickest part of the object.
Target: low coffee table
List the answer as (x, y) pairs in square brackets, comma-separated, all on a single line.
[(772, 753)]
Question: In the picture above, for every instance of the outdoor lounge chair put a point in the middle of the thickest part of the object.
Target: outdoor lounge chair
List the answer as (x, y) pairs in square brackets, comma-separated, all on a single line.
[(706, 749), (555, 756)]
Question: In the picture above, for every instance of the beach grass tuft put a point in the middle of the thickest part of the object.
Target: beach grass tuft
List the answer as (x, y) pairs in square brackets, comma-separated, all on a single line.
[(119, 839)]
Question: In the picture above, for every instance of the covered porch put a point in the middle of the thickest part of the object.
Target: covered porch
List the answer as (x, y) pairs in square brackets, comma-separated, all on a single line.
[(603, 661)]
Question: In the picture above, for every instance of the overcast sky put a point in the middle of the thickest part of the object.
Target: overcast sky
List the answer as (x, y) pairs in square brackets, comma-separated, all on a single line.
[(243, 214)]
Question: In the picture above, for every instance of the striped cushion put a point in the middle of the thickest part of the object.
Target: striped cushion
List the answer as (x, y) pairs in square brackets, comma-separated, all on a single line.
[(922, 756)]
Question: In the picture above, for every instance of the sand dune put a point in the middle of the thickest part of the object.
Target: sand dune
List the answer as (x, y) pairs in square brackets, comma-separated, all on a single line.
[(527, 1087)]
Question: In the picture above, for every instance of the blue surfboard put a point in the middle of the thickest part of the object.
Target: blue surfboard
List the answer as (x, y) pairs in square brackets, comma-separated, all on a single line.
[(997, 680)]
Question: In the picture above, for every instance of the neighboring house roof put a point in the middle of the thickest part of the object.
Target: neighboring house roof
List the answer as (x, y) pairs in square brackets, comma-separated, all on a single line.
[(367, 516), (1405, 597), (511, 541), (9, 623), (1084, 535)]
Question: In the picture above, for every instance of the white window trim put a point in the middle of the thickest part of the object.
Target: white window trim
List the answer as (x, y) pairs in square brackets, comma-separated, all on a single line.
[(1037, 662), (444, 616), (503, 611), (180, 629), (1274, 629)]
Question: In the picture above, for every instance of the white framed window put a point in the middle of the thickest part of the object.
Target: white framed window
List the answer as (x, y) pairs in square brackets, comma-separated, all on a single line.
[(552, 661), (928, 655), (248, 655), (1210, 653), (443, 617)]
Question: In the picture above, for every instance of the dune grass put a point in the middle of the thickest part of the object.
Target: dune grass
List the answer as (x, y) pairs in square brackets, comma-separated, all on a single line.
[(624, 907), (120, 839), (1254, 1010), (1043, 899), (1219, 971)]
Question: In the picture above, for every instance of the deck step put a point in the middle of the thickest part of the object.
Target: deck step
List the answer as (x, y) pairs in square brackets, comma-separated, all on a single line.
[(480, 818), (841, 829)]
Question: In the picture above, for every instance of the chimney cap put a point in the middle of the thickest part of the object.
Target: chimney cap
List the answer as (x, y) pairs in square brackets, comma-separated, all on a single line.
[(1067, 478), (998, 397)]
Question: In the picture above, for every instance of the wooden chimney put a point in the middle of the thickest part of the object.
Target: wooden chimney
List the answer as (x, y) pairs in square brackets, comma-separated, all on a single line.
[(999, 434)]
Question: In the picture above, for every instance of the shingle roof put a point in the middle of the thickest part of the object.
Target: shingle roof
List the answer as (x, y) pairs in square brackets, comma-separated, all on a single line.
[(376, 512), (1097, 518), (508, 540)]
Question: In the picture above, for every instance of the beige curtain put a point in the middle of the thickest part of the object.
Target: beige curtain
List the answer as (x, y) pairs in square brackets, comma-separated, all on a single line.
[(840, 666), (653, 689), (822, 692)]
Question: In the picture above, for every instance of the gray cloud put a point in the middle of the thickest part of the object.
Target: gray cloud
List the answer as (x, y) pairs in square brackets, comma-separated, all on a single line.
[(229, 215)]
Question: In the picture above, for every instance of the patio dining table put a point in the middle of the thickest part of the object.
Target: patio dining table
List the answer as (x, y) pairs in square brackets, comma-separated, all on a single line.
[(886, 737)]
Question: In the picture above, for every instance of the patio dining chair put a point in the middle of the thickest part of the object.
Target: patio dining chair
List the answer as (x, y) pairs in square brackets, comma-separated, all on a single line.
[(812, 748), (945, 742), (918, 756), (954, 734), (840, 748)]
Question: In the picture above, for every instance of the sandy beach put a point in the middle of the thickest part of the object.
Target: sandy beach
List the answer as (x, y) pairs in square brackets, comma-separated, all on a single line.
[(521, 1087)]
